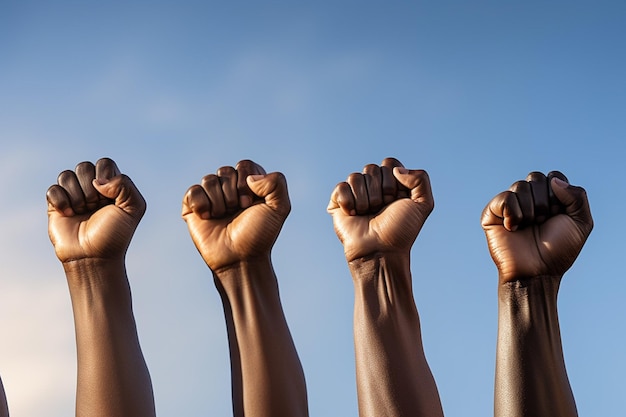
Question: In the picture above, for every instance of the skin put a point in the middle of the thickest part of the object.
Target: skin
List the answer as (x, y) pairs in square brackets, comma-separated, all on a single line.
[(377, 215), (535, 230), (93, 212), (4, 408), (234, 217)]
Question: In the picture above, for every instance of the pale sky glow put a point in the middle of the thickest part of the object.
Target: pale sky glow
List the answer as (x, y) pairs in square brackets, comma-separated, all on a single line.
[(478, 95)]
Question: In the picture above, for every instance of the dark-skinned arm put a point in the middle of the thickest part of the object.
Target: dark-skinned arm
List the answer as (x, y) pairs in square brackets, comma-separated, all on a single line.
[(92, 215), (234, 217), (535, 231), (377, 214), (4, 407)]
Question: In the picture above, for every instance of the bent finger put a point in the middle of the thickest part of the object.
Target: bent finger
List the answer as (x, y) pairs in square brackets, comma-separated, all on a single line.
[(373, 183), (86, 172), (389, 183), (244, 169), (68, 180), (359, 191), (228, 180), (503, 210), (541, 199), (58, 200), (196, 201), (343, 199), (215, 194)]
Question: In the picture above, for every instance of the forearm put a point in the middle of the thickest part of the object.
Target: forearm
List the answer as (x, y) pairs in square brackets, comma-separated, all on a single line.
[(113, 378), (531, 379), (4, 409), (393, 376), (268, 380)]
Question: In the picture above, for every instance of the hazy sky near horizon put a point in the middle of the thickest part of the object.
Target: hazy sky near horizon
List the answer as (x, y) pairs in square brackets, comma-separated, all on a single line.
[(477, 93)]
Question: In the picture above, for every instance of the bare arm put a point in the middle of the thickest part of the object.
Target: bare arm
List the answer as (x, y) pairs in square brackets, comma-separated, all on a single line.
[(535, 231), (377, 216), (234, 218), (92, 213), (4, 408)]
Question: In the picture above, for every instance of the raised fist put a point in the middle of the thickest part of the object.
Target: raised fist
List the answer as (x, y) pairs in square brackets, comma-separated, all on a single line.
[(537, 227), (380, 210)]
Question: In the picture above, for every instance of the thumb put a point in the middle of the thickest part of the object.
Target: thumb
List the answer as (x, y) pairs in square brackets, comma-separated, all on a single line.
[(123, 192), (418, 183), (273, 189), (574, 199)]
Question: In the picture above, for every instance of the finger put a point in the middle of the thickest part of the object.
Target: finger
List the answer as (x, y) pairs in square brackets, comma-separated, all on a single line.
[(86, 172), (373, 183), (228, 180), (555, 205), (106, 168), (417, 182), (215, 195), (525, 199), (196, 201), (503, 210), (389, 182), (342, 198), (59, 200), (123, 192), (69, 181), (244, 168), (359, 191), (273, 189), (539, 187), (575, 201)]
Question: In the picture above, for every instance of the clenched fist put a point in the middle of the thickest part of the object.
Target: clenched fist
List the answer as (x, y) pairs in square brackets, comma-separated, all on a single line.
[(537, 227), (236, 214), (93, 212), (381, 209)]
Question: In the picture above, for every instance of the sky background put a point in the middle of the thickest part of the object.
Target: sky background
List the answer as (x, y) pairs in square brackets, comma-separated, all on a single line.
[(477, 93)]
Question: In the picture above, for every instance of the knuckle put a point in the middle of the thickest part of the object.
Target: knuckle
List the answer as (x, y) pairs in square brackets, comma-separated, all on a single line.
[(391, 162)]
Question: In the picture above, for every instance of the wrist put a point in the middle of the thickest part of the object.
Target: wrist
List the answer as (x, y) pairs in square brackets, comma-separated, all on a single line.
[(523, 285), (367, 265), (383, 275), (245, 274), (529, 301), (97, 278)]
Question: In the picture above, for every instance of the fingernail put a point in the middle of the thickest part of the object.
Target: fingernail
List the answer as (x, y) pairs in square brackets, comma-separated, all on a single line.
[(68, 212), (256, 177), (402, 170), (560, 182)]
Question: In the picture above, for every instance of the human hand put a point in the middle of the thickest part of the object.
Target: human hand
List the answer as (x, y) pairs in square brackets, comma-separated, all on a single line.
[(236, 214), (538, 227), (380, 210), (93, 212)]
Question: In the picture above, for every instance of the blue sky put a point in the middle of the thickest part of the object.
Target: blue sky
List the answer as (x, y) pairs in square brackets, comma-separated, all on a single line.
[(477, 93)]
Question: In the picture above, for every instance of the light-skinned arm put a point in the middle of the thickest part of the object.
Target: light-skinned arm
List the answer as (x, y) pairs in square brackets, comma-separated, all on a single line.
[(535, 230), (234, 217), (93, 212), (377, 215)]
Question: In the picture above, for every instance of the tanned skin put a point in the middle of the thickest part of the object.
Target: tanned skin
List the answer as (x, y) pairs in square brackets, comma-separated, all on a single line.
[(93, 212), (234, 218), (377, 215), (535, 231)]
